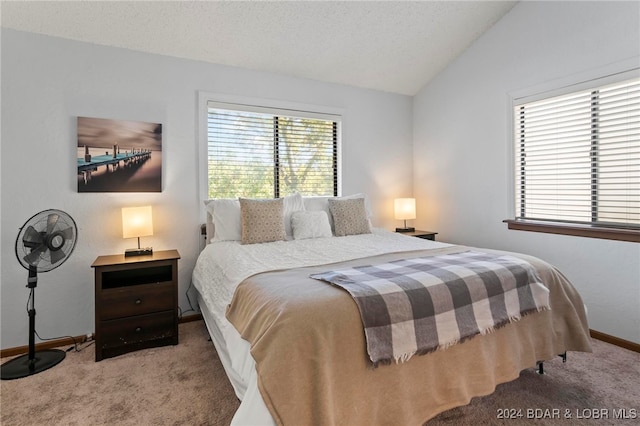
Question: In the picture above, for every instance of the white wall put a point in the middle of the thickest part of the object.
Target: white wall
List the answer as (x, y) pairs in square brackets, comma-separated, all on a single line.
[(47, 82), (462, 137)]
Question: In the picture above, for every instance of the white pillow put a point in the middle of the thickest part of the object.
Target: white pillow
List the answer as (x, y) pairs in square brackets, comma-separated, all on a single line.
[(226, 219), (310, 224), (292, 203), (318, 204), (210, 228)]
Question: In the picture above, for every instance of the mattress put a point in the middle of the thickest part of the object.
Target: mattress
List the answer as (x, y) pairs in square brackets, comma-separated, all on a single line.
[(234, 354)]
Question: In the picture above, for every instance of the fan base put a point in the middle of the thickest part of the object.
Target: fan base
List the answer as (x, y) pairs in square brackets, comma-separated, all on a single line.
[(20, 367)]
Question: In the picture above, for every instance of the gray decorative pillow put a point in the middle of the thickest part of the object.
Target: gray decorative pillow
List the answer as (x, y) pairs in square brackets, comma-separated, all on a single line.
[(262, 220), (349, 216)]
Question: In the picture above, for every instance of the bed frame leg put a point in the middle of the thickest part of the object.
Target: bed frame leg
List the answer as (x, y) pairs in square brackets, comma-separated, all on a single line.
[(541, 363)]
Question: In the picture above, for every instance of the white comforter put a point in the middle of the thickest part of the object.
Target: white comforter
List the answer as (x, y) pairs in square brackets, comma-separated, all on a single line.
[(225, 264)]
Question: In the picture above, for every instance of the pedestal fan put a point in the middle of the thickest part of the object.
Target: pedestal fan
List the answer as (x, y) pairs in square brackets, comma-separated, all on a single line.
[(44, 242)]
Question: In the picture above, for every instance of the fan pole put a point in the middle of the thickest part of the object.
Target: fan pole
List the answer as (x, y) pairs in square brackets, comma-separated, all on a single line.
[(32, 283)]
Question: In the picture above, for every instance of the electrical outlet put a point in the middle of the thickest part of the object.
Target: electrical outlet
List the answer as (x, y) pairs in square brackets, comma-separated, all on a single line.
[(89, 337)]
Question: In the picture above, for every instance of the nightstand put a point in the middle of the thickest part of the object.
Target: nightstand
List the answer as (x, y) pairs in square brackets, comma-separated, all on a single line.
[(426, 235), (136, 302)]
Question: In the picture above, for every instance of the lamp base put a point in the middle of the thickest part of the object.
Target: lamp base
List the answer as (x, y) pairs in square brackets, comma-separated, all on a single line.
[(405, 229), (147, 251)]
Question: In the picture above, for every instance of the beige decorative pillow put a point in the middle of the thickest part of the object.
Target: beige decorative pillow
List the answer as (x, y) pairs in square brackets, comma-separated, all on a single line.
[(349, 216), (262, 220)]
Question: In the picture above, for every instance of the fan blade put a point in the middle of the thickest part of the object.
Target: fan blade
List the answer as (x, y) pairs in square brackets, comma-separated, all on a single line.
[(32, 238), (52, 220), (33, 258), (67, 233), (57, 256)]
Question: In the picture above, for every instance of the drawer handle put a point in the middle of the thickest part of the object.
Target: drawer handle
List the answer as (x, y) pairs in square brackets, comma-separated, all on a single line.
[(138, 329), (138, 301)]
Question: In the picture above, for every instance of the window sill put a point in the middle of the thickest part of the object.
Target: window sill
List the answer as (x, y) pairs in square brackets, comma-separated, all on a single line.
[(631, 235)]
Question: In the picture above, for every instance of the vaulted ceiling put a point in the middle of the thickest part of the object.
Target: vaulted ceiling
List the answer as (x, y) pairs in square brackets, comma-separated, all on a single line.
[(393, 46)]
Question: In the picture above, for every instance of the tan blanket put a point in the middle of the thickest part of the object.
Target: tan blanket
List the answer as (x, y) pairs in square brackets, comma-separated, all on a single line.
[(309, 346), (420, 304)]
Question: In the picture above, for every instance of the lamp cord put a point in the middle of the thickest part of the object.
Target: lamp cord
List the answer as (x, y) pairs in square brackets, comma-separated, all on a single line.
[(192, 309)]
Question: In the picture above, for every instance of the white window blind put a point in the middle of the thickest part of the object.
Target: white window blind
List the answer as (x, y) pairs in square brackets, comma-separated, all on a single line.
[(578, 157), (263, 155)]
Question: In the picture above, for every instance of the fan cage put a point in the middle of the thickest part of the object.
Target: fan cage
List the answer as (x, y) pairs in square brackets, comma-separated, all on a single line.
[(46, 240)]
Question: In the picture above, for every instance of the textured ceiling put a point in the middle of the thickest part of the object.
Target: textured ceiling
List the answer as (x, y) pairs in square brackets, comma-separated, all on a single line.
[(394, 46)]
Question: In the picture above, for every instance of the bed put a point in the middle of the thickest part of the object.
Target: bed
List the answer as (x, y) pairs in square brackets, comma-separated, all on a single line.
[(293, 346)]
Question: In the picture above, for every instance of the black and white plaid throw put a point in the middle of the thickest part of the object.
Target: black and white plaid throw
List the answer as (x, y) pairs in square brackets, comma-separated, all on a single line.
[(418, 305)]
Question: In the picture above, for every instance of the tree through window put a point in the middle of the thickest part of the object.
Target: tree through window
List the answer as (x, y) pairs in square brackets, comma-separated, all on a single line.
[(261, 155)]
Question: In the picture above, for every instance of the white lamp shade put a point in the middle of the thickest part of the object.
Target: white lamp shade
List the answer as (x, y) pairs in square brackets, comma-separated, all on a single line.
[(137, 222), (404, 208)]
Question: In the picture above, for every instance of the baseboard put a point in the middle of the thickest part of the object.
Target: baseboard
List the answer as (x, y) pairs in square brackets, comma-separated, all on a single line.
[(50, 344), (615, 340), (189, 318)]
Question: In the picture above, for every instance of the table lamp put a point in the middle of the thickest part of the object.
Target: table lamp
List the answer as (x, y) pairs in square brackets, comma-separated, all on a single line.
[(137, 222), (405, 208)]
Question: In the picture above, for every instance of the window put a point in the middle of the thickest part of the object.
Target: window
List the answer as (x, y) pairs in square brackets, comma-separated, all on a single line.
[(263, 153), (577, 158)]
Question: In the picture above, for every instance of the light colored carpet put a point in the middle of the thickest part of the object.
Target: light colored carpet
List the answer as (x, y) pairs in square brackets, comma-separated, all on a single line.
[(186, 385), (171, 385)]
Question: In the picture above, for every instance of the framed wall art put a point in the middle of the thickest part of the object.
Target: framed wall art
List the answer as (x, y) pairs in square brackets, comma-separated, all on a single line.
[(119, 156)]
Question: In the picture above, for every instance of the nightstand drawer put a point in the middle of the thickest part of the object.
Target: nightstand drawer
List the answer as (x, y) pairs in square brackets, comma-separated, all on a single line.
[(143, 299), (151, 329)]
